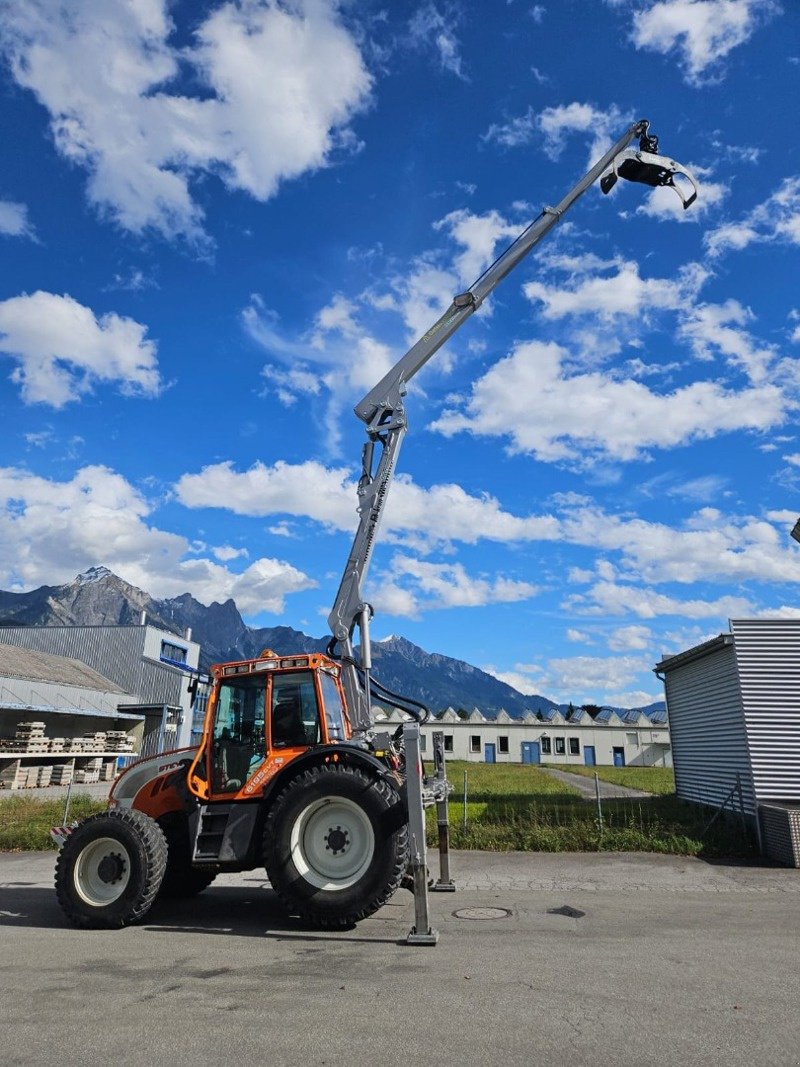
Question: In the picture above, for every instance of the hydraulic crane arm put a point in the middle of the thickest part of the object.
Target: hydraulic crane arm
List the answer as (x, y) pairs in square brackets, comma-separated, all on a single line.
[(383, 412)]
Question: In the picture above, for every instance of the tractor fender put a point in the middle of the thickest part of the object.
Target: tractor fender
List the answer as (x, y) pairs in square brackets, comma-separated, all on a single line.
[(322, 754), (156, 785)]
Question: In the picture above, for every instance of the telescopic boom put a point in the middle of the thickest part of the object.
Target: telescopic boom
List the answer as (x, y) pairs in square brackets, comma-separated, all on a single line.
[(383, 412)]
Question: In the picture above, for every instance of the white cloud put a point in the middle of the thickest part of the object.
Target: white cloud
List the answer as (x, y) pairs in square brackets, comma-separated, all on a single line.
[(702, 32), (50, 531), (433, 28), (720, 327), (604, 127), (443, 513), (225, 553), (513, 132), (14, 219), (412, 586), (629, 638), (615, 600), (279, 86), (775, 221), (530, 400), (63, 349)]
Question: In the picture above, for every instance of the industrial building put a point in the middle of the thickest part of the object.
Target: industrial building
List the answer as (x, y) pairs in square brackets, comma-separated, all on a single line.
[(147, 667), (734, 713), (577, 738)]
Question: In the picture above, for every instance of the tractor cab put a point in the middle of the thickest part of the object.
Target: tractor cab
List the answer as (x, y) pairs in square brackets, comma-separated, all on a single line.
[(263, 713)]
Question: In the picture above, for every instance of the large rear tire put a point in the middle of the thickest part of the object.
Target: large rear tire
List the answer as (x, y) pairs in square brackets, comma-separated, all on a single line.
[(110, 868), (336, 844)]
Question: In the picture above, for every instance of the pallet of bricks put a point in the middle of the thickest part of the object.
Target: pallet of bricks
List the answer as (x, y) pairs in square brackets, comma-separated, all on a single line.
[(89, 773), (29, 737)]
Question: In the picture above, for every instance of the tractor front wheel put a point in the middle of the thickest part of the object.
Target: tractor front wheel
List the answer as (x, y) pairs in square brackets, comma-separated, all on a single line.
[(336, 844), (110, 869)]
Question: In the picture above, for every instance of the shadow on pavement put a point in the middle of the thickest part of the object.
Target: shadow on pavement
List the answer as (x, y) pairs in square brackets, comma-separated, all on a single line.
[(238, 911)]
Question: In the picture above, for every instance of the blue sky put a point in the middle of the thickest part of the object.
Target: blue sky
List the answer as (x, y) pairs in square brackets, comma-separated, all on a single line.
[(221, 223)]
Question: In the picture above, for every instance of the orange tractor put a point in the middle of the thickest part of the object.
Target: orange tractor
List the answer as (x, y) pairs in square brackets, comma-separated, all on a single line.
[(292, 773)]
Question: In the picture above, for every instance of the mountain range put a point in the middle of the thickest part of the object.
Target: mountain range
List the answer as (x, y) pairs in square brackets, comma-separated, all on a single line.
[(100, 598)]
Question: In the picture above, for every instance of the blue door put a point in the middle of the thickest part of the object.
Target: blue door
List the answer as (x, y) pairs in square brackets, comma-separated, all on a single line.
[(490, 753), (619, 757), (588, 755), (531, 752)]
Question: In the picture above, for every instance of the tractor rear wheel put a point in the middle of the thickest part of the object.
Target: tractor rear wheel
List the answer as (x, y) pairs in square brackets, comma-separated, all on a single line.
[(181, 878), (110, 868), (336, 844)]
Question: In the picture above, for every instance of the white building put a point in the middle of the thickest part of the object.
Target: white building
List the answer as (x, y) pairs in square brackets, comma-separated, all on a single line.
[(607, 740)]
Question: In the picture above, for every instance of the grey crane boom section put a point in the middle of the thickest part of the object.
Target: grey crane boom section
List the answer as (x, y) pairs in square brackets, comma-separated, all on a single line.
[(383, 412)]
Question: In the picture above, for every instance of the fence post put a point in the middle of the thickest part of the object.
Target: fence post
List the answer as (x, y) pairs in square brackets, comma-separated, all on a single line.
[(465, 801), (599, 805)]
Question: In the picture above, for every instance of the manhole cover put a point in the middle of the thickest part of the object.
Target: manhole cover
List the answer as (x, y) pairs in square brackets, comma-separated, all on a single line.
[(482, 913)]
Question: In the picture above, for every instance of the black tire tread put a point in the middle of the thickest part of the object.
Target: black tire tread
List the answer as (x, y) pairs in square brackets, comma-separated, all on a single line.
[(304, 909), (155, 852)]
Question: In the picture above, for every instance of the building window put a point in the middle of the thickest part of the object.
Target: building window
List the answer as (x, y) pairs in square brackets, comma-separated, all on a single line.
[(423, 742), (173, 653), (574, 746), (547, 747), (632, 739), (502, 744), (475, 743), (560, 749), (448, 742)]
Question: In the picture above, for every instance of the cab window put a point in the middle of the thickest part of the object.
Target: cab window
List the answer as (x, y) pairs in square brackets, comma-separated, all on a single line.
[(334, 712), (295, 718), (238, 745)]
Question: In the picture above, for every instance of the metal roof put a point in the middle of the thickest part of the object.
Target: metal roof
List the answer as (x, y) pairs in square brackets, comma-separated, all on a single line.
[(17, 662), (669, 663)]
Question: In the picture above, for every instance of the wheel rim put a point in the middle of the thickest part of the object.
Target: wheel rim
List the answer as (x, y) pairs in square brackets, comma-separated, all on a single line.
[(102, 872), (332, 843)]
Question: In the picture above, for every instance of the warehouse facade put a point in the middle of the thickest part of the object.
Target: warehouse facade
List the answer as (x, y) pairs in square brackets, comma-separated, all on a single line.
[(575, 739), (150, 666), (734, 712)]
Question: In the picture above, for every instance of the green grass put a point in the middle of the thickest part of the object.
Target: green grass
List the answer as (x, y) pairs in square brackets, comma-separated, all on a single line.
[(25, 821), (521, 808), (659, 780), (510, 807)]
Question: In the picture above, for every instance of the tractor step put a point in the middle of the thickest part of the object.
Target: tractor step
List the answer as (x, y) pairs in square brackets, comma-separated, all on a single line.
[(211, 827)]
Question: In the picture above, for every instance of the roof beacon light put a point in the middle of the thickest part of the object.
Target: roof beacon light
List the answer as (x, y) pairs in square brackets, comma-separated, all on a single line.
[(649, 168)]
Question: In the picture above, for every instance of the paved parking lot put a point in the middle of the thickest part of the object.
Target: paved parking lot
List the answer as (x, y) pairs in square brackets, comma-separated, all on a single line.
[(600, 959)]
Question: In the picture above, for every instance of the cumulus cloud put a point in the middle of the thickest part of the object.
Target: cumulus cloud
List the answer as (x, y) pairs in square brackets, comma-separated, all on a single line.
[(540, 409), (616, 599), (413, 586), (14, 219), (278, 87), (53, 530), (63, 349), (443, 513), (702, 32), (775, 221)]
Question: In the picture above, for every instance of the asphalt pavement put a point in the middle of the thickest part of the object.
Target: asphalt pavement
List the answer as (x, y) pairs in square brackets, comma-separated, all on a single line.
[(542, 959)]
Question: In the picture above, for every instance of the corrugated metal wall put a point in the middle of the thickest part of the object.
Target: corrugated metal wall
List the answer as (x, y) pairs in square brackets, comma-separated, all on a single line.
[(768, 658), (114, 651), (707, 729)]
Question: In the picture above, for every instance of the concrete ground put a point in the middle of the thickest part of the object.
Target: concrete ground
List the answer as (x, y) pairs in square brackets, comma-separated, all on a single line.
[(599, 959), (608, 790)]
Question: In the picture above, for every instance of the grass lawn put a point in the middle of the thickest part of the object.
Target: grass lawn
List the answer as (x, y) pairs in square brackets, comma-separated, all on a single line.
[(25, 821), (516, 807), (659, 780), (509, 807)]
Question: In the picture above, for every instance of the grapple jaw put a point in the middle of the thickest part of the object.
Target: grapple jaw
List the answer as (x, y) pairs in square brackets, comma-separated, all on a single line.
[(646, 166)]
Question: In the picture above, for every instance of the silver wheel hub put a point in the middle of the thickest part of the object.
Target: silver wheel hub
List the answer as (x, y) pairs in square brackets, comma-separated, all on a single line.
[(102, 872), (332, 843)]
